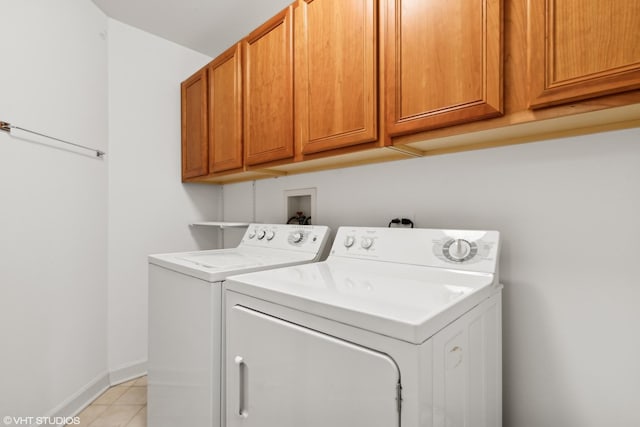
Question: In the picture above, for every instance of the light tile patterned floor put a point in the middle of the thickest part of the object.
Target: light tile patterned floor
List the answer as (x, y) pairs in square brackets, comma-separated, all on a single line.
[(124, 405)]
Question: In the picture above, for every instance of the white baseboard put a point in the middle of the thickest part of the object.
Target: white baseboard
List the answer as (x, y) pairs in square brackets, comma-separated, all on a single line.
[(126, 373), (90, 392), (81, 399)]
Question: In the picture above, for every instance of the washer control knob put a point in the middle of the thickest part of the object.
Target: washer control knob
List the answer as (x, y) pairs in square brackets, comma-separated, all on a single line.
[(252, 234), (261, 234), (270, 235), (349, 241), (366, 243), (458, 249), (297, 237)]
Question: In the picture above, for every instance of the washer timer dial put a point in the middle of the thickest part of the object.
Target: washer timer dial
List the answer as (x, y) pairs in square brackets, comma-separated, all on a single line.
[(459, 250)]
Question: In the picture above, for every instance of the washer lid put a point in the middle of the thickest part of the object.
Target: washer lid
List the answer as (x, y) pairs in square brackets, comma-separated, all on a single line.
[(263, 246), (215, 265), (410, 303)]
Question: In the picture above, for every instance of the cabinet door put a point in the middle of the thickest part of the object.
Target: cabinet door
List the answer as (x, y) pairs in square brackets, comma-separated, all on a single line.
[(583, 48), (336, 73), (443, 63), (281, 374), (268, 94), (194, 126), (225, 111)]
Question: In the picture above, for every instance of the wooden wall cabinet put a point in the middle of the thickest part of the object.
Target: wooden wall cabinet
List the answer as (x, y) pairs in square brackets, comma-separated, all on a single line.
[(195, 147), (443, 61), (225, 111), (378, 80), (212, 118), (268, 94), (335, 74), (581, 49)]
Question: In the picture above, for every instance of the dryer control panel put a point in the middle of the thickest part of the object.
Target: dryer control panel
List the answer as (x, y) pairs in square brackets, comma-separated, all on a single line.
[(472, 250)]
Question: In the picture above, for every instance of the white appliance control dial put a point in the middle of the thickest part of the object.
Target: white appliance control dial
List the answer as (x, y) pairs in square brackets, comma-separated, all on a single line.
[(270, 235), (459, 250), (297, 237), (366, 243), (261, 234), (252, 234), (349, 241)]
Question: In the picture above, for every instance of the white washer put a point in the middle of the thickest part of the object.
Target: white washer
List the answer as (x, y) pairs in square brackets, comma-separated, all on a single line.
[(186, 322), (398, 327)]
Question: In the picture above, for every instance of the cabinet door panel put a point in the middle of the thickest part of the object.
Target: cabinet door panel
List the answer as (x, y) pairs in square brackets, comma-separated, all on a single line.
[(443, 63), (194, 126), (583, 48), (225, 111), (268, 95), (336, 73)]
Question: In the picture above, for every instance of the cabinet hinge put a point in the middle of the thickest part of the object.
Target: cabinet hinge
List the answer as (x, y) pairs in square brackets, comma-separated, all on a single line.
[(399, 397)]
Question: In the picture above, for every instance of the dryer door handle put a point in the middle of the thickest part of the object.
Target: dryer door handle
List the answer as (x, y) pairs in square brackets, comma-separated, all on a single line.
[(242, 387)]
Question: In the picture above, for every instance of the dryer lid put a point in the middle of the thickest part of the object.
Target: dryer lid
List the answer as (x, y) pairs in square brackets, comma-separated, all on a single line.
[(410, 303)]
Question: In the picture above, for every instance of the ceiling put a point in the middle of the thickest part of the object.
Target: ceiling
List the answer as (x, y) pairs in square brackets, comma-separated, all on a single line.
[(207, 26)]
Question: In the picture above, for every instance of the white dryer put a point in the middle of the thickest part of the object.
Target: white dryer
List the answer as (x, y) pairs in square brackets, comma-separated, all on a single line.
[(186, 317), (398, 327)]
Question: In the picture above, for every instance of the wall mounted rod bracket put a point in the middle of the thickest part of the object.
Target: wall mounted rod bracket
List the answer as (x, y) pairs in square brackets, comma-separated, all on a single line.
[(6, 127)]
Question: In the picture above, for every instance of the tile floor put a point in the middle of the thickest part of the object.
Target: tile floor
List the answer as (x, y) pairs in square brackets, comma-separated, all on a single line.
[(124, 405)]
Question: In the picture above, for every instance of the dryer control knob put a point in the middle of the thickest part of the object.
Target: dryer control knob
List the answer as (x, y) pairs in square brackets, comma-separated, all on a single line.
[(270, 235), (261, 234), (252, 234), (366, 243), (349, 241), (297, 237), (457, 249)]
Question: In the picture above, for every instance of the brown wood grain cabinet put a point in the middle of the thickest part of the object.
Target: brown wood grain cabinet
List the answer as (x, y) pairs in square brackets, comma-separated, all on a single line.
[(335, 74), (443, 63), (268, 91), (225, 111), (195, 148), (582, 48), (336, 83)]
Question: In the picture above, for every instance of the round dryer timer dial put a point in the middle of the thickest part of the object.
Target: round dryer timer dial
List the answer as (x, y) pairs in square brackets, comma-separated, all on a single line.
[(459, 250)]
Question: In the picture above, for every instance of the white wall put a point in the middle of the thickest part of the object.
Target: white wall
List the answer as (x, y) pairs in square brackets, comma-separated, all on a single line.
[(75, 230), (53, 206), (568, 211), (149, 208)]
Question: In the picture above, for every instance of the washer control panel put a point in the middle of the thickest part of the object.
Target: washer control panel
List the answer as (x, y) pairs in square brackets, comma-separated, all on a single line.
[(472, 250), (286, 236)]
